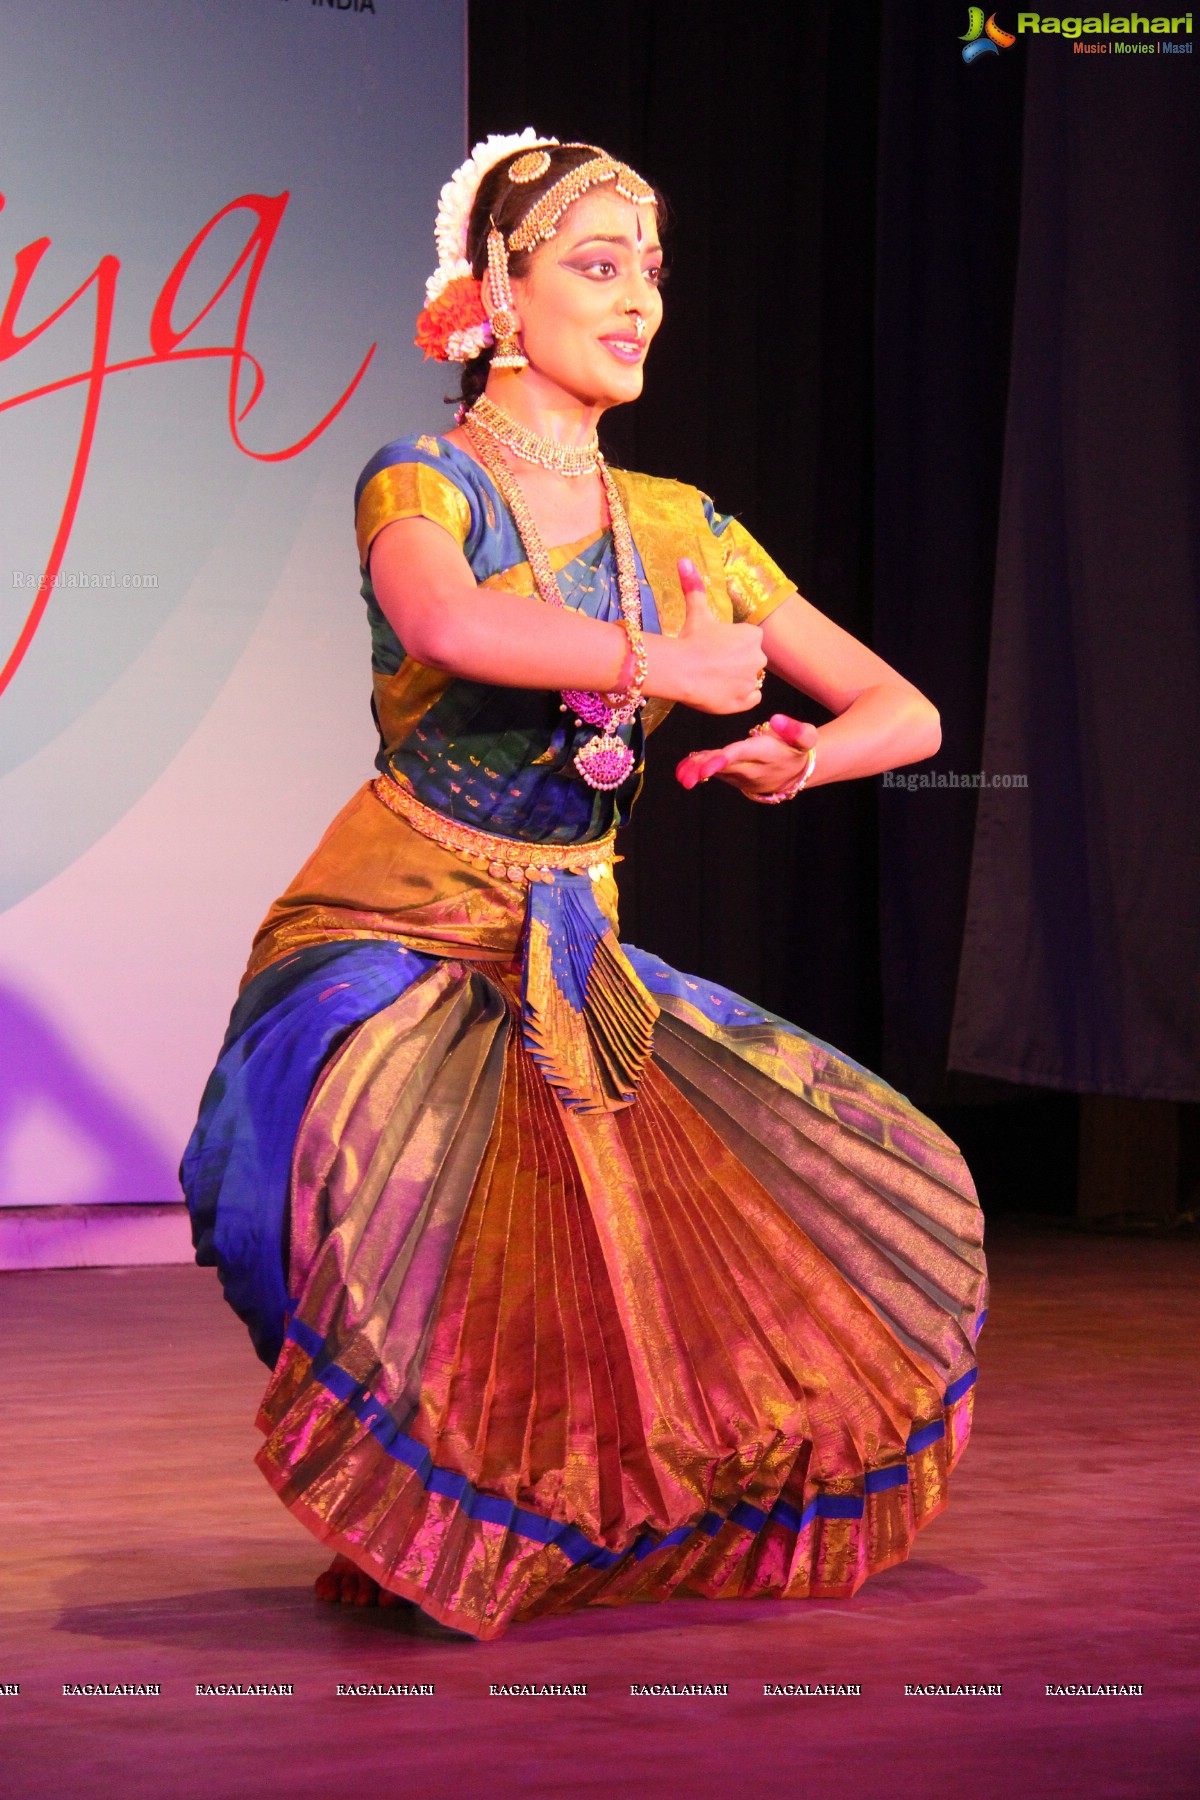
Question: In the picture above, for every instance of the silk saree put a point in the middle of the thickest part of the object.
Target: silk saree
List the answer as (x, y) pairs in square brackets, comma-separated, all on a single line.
[(581, 1281)]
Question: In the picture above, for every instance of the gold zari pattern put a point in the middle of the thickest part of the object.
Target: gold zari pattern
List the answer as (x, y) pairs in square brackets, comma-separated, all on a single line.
[(410, 490), (505, 858), (692, 1297)]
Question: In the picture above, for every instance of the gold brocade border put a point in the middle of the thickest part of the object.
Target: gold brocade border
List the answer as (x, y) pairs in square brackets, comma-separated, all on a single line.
[(514, 859), (478, 1575), (667, 520), (756, 584), (518, 577), (410, 491)]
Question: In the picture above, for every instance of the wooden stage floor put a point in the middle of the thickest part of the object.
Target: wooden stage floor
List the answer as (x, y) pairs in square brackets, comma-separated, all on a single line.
[(140, 1545)]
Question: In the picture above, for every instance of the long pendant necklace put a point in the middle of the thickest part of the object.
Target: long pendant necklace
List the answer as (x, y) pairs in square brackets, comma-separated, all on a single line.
[(605, 761)]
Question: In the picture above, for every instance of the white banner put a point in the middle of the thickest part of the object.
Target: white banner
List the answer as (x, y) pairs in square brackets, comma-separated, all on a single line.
[(216, 226)]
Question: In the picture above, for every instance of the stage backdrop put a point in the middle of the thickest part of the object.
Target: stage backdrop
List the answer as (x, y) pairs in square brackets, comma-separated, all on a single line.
[(215, 229)]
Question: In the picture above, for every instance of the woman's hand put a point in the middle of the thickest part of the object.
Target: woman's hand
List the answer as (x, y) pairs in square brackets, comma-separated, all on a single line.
[(754, 765), (443, 618), (717, 668)]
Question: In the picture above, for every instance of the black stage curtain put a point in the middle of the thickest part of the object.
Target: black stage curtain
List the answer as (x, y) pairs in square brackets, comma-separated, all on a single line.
[(1081, 957), (947, 221), (848, 204)]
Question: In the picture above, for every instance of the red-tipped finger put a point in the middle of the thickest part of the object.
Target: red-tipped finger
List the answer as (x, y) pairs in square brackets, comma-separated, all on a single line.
[(796, 732), (695, 594), (697, 768)]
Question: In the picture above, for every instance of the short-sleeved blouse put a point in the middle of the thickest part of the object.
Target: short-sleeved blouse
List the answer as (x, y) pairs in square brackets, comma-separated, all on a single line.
[(501, 759)]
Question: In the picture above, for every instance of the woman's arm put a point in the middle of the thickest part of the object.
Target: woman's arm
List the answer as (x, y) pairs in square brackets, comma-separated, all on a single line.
[(443, 618), (881, 720)]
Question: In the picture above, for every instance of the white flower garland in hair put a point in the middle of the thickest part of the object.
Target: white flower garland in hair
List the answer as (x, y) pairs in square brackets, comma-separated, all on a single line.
[(458, 196), (450, 234)]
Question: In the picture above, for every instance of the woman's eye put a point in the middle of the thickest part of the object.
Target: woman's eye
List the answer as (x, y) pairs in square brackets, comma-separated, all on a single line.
[(657, 275)]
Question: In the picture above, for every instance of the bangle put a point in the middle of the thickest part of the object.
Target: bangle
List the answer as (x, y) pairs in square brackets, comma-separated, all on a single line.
[(625, 701), (628, 661), (791, 788)]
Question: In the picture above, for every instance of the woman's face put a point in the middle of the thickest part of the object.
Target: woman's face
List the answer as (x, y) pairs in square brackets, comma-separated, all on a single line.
[(580, 302)]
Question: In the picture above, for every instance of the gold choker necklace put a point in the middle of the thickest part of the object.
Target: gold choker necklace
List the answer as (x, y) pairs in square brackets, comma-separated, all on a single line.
[(503, 429)]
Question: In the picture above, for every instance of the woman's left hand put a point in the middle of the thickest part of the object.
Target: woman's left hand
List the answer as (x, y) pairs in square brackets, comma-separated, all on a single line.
[(754, 765)]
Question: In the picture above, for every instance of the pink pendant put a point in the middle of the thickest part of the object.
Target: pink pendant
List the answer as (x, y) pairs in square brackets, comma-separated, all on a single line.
[(590, 707), (605, 762)]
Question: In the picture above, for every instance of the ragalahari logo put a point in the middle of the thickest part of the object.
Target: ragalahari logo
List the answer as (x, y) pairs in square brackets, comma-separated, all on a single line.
[(983, 39)]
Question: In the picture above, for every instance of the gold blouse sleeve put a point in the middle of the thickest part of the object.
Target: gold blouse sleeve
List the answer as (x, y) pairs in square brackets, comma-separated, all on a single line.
[(756, 584), (669, 520), (410, 490)]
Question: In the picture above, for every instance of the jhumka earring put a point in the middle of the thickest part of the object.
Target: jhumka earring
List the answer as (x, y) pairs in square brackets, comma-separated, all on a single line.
[(508, 353)]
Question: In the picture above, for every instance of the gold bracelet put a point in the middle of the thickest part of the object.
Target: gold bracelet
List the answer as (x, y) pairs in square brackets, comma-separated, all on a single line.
[(627, 700)]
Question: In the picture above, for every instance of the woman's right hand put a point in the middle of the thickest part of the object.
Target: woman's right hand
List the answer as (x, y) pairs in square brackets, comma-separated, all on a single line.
[(719, 667)]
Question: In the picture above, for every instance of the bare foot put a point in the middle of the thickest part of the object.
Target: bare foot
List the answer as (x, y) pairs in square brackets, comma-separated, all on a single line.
[(345, 1584)]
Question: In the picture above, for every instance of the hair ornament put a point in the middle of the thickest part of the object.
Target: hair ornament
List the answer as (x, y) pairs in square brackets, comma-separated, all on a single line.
[(453, 326), (529, 168), (541, 221)]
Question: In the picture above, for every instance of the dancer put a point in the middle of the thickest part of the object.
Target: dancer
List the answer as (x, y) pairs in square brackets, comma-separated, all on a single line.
[(581, 1280)]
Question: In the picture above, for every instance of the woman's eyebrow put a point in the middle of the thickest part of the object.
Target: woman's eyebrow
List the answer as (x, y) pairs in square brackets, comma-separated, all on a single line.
[(604, 237)]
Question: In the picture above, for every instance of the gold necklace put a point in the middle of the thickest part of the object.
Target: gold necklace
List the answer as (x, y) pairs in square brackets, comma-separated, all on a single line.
[(606, 760), (562, 459)]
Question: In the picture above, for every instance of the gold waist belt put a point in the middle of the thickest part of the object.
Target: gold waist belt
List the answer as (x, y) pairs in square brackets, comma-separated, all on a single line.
[(504, 858)]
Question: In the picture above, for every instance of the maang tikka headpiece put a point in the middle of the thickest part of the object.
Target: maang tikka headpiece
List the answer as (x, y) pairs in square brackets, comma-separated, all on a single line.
[(454, 326), (541, 221)]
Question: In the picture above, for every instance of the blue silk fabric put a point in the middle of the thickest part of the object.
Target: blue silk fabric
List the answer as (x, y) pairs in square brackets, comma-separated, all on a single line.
[(501, 758)]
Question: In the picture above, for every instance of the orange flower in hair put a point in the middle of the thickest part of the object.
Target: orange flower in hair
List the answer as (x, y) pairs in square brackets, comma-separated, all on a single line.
[(454, 326)]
